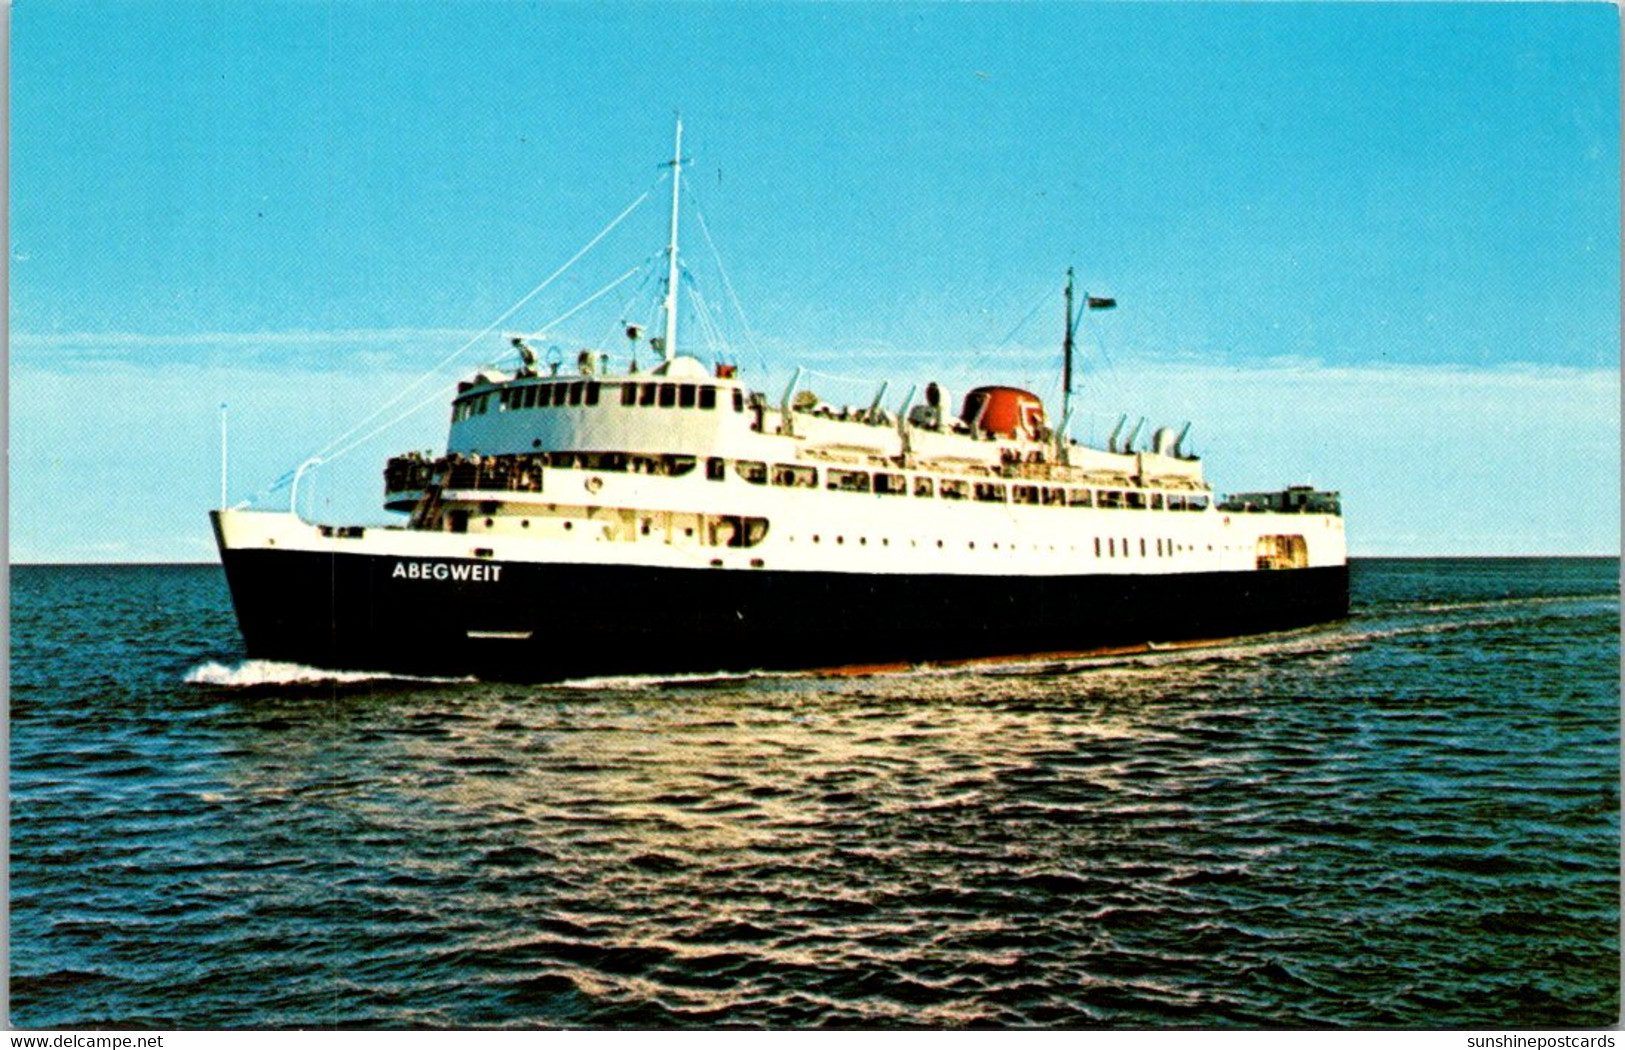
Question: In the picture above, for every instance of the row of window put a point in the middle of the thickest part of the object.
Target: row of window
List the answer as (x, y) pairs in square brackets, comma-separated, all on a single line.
[(1165, 548), (523, 473), (839, 479), (648, 394), (1110, 547)]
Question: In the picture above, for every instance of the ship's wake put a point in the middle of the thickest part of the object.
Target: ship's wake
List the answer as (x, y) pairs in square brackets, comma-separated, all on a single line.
[(256, 674), (668, 681)]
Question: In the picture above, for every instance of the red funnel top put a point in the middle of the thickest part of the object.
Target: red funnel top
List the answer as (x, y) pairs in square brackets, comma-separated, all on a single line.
[(1005, 411)]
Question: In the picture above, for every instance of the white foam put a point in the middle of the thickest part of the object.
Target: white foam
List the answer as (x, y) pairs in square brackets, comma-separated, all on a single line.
[(655, 681), (1501, 603), (275, 672)]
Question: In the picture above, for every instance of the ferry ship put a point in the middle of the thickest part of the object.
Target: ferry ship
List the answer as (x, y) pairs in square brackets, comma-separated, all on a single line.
[(591, 522)]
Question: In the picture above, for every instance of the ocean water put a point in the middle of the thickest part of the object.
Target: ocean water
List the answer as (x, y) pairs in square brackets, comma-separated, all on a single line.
[(1409, 819)]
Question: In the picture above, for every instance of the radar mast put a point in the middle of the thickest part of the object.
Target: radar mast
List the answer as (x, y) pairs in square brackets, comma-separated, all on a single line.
[(668, 346)]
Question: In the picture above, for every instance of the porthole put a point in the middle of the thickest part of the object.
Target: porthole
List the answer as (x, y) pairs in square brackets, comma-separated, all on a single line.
[(840, 539), (487, 522), (567, 525), (525, 523)]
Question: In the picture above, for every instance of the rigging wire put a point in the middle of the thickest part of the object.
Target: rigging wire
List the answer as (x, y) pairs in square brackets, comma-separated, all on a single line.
[(617, 326), (488, 329), (707, 316), (583, 304), (727, 284), (440, 393), (1043, 298), (868, 382)]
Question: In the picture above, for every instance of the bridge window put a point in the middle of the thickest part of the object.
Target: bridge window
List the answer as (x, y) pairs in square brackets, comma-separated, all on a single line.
[(577, 389), (668, 395), (708, 397), (592, 392), (646, 398), (922, 488), (685, 396), (629, 394), (1136, 500), (739, 400)]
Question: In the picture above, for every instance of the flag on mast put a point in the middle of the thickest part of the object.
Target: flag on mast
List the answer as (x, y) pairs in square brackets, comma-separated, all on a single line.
[(1098, 303)]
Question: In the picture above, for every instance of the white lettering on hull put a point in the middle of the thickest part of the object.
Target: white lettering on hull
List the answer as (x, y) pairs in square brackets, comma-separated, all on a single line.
[(440, 570)]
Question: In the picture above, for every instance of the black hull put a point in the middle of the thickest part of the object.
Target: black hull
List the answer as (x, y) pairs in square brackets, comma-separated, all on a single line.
[(547, 622)]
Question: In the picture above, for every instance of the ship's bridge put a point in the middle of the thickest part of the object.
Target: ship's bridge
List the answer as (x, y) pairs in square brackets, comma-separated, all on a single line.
[(678, 407)]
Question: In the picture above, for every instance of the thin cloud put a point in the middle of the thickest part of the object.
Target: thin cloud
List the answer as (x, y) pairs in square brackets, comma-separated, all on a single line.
[(292, 337)]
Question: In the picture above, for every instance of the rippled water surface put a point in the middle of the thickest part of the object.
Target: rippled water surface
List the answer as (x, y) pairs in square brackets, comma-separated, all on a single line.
[(1408, 819)]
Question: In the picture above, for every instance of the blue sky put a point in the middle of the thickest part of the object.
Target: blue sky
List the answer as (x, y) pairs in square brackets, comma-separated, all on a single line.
[(1376, 245)]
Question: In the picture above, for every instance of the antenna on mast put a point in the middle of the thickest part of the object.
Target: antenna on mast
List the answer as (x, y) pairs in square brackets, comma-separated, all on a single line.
[(669, 342), (1061, 439), (1073, 320)]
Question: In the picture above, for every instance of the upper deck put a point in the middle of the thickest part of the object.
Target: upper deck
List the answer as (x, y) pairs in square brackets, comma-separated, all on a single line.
[(681, 410)]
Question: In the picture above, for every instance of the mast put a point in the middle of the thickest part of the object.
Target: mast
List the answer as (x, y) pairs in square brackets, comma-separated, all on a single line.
[(1066, 367), (669, 347)]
